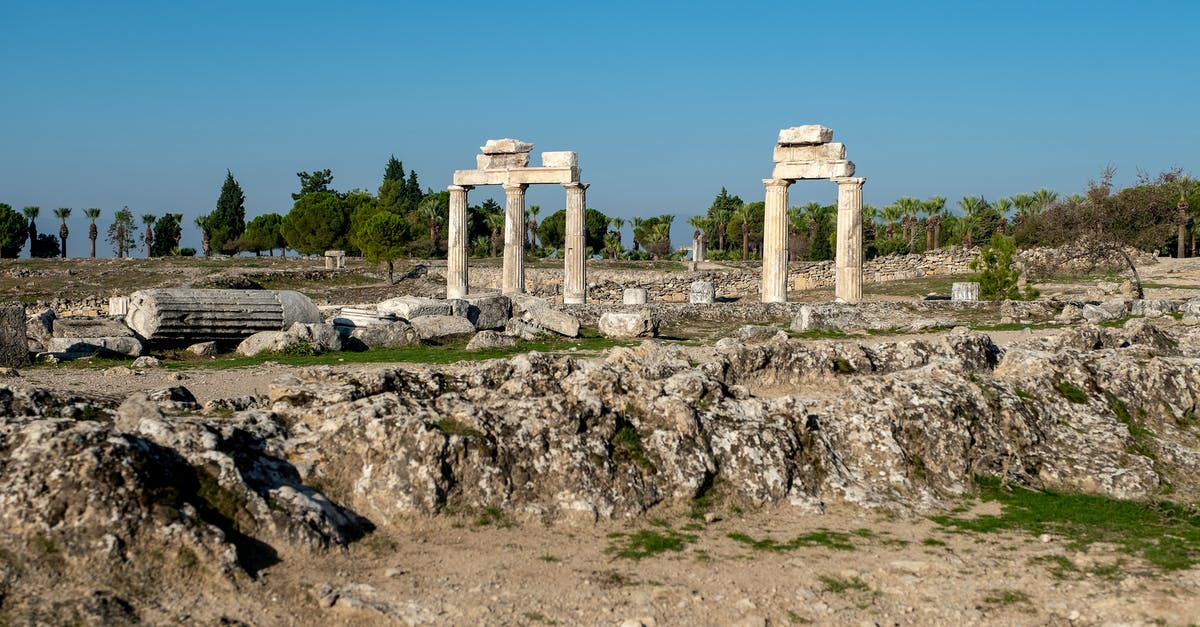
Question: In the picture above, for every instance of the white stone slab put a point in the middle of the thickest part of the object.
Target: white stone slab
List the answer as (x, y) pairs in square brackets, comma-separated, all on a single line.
[(806, 135), (835, 151), (560, 159), (813, 170), (506, 145), (526, 176)]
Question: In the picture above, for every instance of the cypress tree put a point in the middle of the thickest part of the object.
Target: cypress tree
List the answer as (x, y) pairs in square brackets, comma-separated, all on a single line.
[(228, 221)]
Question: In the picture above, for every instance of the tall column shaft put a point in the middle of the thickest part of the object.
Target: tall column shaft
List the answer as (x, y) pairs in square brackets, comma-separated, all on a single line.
[(513, 279), (575, 261), (774, 272), (849, 259), (456, 253)]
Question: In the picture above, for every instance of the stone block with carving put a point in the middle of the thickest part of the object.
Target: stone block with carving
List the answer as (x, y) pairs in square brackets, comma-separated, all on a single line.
[(820, 152), (560, 159), (965, 291), (806, 135), (701, 293), (409, 307), (502, 161), (505, 146)]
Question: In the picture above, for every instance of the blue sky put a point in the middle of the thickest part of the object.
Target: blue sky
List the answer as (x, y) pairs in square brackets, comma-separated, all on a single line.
[(146, 104)]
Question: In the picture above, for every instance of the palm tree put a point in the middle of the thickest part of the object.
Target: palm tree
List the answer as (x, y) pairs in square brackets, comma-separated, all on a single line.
[(971, 206), (909, 208), (205, 245), (720, 218), (495, 222), (612, 244), (698, 224), (617, 224), (636, 225), (743, 213), (430, 212), (32, 214), (148, 220), (531, 222), (1043, 198), (660, 240), (1025, 207), (890, 214), (62, 213), (92, 213), (795, 222), (936, 208), (1002, 207)]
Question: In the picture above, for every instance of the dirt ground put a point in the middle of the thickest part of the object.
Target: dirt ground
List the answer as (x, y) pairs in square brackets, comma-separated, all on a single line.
[(477, 568)]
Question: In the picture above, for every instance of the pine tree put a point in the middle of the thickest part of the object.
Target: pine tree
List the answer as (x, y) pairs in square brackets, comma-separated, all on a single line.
[(228, 221), (394, 170), (412, 189)]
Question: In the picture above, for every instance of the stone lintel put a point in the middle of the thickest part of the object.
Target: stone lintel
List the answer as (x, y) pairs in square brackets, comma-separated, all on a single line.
[(776, 182), (517, 176), (560, 159), (502, 161), (460, 188), (835, 151), (807, 170), (806, 135)]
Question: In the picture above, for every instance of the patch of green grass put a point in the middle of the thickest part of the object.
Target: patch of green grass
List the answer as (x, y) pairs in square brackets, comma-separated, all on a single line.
[(1014, 326), (648, 543), (932, 542), (1023, 395), (450, 426), (1060, 565), (549, 558), (627, 440), (1002, 597), (835, 540), (1071, 393), (493, 516), (1165, 534), (838, 584), (297, 349), (1140, 434), (842, 366)]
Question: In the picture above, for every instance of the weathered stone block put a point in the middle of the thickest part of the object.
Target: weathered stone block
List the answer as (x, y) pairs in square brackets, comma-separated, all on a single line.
[(965, 291), (819, 152), (118, 305), (807, 170), (560, 159), (502, 161), (89, 327), (506, 145), (701, 292), (393, 335), (126, 345), (194, 315), (355, 317), (805, 135), (203, 349), (409, 307), (615, 324), (439, 326), (489, 340), (14, 346), (559, 322), (489, 312), (634, 296)]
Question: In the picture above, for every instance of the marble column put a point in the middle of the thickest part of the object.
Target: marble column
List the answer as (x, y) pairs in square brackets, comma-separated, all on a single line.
[(456, 251), (849, 259), (774, 272), (513, 279), (575, 263)]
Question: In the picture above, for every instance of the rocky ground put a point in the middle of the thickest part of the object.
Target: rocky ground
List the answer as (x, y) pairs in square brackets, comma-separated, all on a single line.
[(644, 485)]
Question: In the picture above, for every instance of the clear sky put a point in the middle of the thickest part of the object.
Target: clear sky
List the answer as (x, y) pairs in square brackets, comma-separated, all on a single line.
[(146, 103)]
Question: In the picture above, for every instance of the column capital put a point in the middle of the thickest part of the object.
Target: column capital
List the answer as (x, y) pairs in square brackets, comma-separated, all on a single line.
[(514, 186), (577, 184), (460, 188), (777, 182), (849, 180)]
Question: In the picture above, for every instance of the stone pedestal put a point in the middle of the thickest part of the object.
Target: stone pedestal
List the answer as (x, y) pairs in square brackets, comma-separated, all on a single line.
[(456, 253), (335, 260), (575, 263), (118, 305), (701, 293), (513, 279), (634, 296), (774, 276), (966, 291), (849, 259)]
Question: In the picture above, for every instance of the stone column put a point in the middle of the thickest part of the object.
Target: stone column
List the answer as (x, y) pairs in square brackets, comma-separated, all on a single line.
[(575, 263), (849, 259), (456, 252), (774, 272), (513, 279)]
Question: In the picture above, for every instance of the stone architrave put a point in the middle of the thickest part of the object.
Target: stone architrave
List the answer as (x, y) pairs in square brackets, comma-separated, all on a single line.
[(848, 261), (774, 275), (513, 277), (806, 135), (456, 253), (575, 261)]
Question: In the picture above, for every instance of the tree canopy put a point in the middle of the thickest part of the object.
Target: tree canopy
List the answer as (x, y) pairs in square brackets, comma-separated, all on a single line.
[(228, 221), (315, 224), (13, 229)]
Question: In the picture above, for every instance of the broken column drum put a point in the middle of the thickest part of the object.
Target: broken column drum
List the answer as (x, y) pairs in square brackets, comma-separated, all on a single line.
[(505, 162), (190, 316), (806, 153)]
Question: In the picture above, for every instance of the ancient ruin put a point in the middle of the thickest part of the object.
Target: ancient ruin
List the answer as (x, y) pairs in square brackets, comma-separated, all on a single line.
[(805, 153), (505, 162)]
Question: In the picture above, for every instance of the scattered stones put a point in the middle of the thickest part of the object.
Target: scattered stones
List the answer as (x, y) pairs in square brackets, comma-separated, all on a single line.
[(753, 333), (394, 335), (203, 349), (14, 345), (489, 312), (78, 347), (432, 327), (320, 338), (146, 361), (409, 307)]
